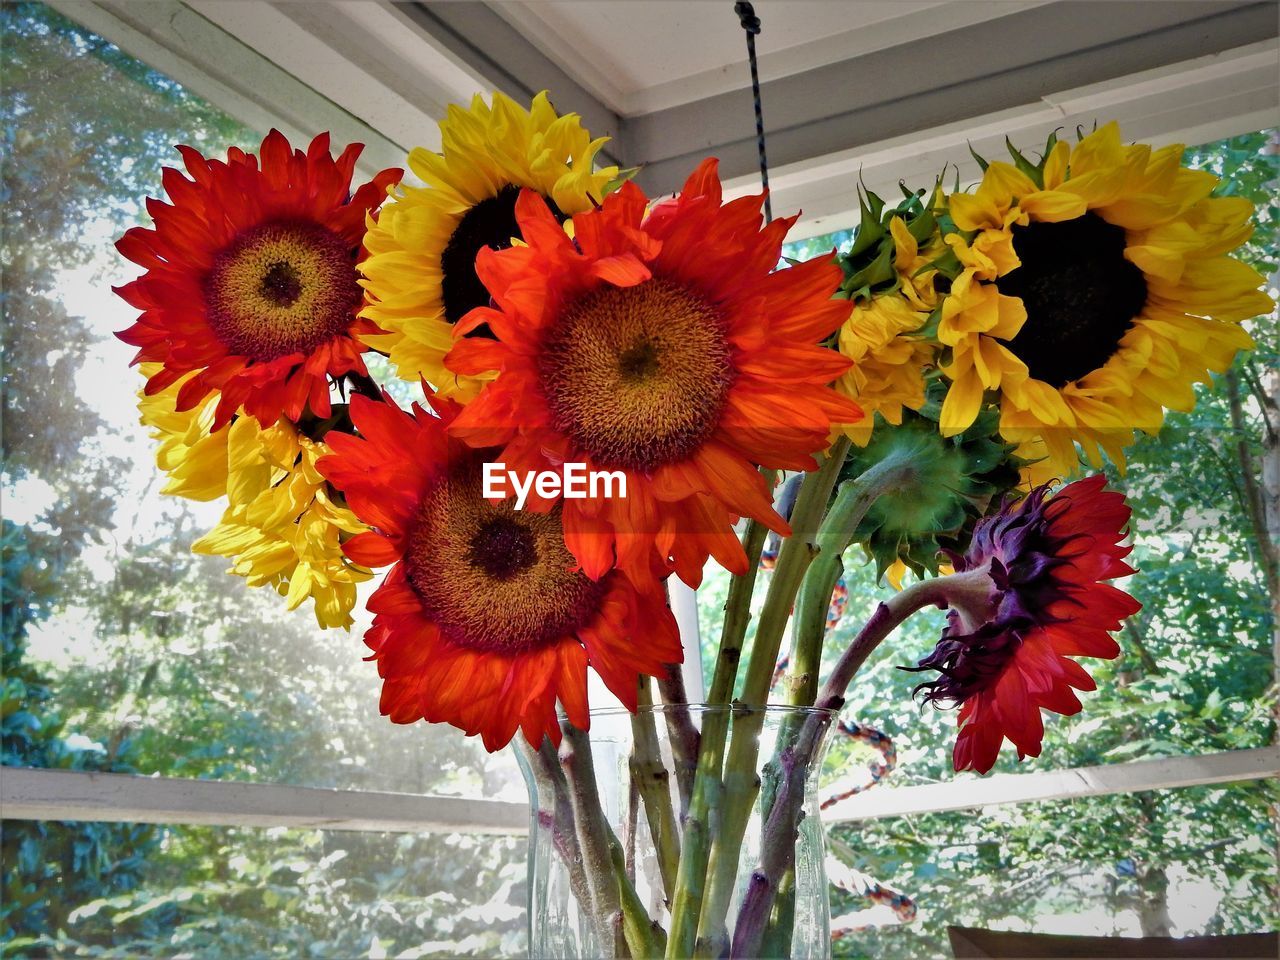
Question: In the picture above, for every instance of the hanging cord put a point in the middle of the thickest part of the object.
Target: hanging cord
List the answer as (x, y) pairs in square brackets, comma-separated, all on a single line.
[(751, 24)]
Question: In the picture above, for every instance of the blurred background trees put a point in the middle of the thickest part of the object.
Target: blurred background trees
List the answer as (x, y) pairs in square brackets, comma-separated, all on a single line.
[(123, 651)]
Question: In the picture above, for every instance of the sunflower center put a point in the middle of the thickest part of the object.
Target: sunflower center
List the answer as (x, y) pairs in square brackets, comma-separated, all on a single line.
[(490, 223), (280, 288), (1080, 293), (637, 376), (281, 284), (502, 548), (639, 362), (492, 578)]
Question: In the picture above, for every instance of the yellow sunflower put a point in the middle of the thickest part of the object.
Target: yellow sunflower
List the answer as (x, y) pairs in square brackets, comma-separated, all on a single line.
[(420, 272), (1090, 293), (882, 335), (190, 455), (283, 527)]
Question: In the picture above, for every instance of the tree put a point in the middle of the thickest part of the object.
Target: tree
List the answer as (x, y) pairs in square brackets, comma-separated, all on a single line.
[(50, 867)]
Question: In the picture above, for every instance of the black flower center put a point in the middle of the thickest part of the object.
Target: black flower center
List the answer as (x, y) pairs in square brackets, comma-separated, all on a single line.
[(639, 362), (281, 284), (502, 548), (490, 223), (1080, 293)]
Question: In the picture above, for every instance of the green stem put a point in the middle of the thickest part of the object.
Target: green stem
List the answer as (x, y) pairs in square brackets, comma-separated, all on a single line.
[(593, 840), (650, 776), (797, 553), (696, 836), (741, 783), (643, 935), (808, 630), (777, 936), (737, 611), (853, 500)]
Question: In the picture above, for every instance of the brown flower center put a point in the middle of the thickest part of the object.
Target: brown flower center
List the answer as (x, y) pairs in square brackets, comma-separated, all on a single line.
[(637, 376), (280, 288), (491, 577), (1080, 293)]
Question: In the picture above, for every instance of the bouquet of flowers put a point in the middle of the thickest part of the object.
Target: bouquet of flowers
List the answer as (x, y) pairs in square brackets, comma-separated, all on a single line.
[(618, 389)]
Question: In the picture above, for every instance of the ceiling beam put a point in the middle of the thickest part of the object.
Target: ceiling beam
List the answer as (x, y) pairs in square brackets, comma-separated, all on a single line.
[(495, 49), (1192, 102), (973, 71), (369, 59), (222, 69)]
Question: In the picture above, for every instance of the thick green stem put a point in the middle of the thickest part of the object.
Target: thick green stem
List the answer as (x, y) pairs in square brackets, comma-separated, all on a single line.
[(853, 500), (594, 836), (644, 936), (698, 828), (737, 611), (809, 626), (650, 776), (777, 937), (741, 783)]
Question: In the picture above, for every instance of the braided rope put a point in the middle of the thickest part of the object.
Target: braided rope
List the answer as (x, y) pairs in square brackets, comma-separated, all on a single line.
[(751, 25)]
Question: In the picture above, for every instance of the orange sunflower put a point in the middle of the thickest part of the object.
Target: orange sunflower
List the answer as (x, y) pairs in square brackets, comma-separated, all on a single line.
[(666, 348), (251, 278), (482, 621)]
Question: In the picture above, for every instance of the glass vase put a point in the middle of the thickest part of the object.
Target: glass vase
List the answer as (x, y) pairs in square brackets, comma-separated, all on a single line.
[(611, 818)]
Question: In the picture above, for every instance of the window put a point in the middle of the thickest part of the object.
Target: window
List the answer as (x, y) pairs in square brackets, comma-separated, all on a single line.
[(123, 651)]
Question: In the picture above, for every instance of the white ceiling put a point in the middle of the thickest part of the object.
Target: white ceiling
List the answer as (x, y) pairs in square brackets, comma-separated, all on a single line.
[(853, 89), (638, 56)]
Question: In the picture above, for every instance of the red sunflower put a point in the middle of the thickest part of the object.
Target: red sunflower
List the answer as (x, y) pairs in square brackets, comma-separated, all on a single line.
[(667, 348), (482, 621), (1007, 656), (251, 278)]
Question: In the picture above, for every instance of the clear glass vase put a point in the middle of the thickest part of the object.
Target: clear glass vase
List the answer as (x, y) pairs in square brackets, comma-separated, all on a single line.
[(614, 811)]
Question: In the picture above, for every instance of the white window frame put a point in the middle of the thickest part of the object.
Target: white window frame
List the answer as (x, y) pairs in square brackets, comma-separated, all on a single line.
[(1212, 97)]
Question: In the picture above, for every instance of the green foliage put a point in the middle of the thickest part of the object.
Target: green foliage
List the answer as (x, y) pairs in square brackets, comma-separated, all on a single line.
[(50, 867), (280, 893)]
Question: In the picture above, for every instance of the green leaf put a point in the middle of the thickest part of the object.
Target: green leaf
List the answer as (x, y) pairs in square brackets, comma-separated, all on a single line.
[(869, 229), (623, 176), (880, 270), (1034, 171)]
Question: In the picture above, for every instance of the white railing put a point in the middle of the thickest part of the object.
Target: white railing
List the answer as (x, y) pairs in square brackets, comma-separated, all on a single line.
[(27, 794)]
